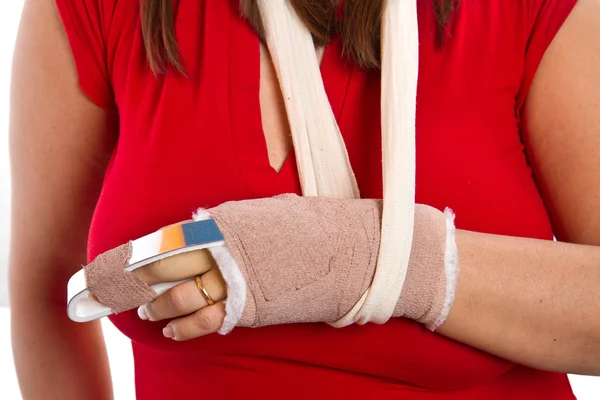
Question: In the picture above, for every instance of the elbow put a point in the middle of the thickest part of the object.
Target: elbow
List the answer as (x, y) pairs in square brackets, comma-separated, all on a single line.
[(584, 357), (574, 349)]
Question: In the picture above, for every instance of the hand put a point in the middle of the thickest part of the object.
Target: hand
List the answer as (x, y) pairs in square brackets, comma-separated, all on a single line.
[(184, 304)]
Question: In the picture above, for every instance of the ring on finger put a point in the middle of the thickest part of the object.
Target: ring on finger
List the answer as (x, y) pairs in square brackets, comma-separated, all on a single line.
[(203, 290)]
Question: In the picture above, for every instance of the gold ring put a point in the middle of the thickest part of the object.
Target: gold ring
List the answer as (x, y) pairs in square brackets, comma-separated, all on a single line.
[(203, 290)]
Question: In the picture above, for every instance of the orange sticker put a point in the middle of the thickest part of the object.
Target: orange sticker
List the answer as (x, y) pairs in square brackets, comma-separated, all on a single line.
[(172, 238)]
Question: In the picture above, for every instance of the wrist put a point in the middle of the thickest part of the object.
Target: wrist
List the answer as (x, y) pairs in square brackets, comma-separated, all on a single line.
[(428, 292)]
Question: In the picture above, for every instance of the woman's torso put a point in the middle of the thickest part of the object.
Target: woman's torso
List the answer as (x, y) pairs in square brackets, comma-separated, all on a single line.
[(198, 141)]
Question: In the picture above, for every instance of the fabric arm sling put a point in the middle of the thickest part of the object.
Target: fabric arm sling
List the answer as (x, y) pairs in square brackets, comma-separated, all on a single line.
[(321, 154)]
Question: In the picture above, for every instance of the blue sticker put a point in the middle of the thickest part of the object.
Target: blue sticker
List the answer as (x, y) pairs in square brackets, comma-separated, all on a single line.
[(201, 232)]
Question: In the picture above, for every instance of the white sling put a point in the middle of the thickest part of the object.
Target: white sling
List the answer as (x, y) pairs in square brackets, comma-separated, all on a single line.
[(323, 163)]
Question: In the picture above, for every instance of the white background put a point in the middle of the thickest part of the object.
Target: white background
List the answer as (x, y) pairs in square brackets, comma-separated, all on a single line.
[(586, 388)]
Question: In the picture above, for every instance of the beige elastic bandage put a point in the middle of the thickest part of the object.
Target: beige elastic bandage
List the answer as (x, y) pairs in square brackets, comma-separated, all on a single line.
[(311, 259), (115, 287)]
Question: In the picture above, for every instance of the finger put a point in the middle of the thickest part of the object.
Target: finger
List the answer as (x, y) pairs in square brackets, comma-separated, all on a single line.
[(185, 298), (177, 267), (205, 321)]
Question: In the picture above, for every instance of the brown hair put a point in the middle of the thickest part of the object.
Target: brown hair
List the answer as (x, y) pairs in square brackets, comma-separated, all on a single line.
[(359, 30)]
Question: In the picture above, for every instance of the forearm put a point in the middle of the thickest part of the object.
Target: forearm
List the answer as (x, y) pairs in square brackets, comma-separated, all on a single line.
[(56, 358), (530, 301), (525, 300)]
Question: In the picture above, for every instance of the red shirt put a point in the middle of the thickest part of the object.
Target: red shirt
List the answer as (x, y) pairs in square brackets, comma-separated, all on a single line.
[(198, 141)]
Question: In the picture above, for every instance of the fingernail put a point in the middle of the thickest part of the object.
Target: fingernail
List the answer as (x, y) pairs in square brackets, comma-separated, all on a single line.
[(142, 313), (168, 332)]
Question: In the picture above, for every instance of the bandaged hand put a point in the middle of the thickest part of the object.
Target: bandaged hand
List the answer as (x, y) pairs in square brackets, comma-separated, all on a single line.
[(293, 259), (310, 259)]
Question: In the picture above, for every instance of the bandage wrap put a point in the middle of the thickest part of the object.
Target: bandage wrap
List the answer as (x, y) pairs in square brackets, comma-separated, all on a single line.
[(304, 259), (311, 259), (107, 279)]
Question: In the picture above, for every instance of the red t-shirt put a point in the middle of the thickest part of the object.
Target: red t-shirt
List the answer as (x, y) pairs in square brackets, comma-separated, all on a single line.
[(197, 142)]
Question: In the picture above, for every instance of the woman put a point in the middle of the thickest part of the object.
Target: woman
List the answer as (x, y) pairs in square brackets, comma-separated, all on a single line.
[(507, 132)]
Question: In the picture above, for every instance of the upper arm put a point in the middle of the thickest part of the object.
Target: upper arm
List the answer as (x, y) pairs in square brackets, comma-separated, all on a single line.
[(60, 143), (562, 126)]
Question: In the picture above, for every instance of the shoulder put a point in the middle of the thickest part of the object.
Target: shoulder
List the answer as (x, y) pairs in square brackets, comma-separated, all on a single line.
[(500, 39), (94, 29), (99, 17), (510, 18)]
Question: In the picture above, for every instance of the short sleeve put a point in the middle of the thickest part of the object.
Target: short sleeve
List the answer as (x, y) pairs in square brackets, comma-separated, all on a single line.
[(544, 20), (85, 23)]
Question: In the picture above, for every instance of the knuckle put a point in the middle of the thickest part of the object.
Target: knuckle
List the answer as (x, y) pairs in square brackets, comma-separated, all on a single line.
[(205, 321), (159, 267), (176, 299), (182, 332), (151, 273)]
